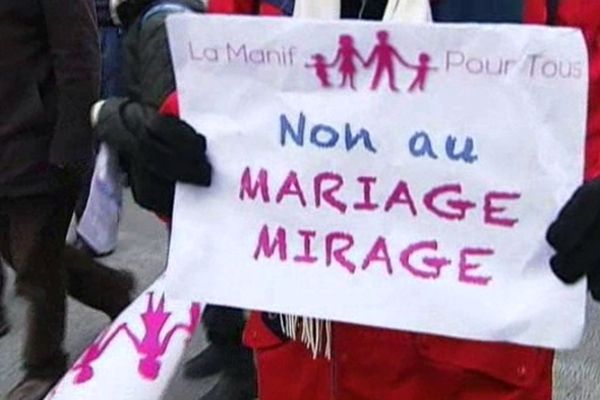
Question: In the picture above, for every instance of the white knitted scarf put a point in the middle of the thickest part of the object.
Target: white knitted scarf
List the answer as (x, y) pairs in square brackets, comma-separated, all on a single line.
[(414, 11)]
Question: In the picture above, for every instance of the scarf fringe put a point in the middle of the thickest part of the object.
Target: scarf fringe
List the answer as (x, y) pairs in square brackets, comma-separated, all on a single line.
[(314, 333)]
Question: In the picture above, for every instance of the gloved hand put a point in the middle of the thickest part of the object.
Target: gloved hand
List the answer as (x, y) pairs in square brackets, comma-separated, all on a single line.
[(174, 151), (575, 236)]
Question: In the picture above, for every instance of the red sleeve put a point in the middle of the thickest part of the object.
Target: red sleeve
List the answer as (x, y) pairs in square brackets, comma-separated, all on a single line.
[(585, 14), (268, 9), (593, 149), (232, 6), (170, 106), (243, 7), (535, 12)]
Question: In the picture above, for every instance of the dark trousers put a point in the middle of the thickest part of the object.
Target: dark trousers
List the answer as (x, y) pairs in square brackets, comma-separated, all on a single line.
[(225, 327), (32, 241)]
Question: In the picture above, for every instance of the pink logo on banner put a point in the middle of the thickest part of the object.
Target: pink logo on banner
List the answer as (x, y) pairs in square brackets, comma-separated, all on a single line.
[(384, 57), (150, 347)]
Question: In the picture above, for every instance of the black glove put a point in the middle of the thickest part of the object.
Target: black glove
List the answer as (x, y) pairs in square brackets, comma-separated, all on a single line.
[(575, 236), (174, 151)]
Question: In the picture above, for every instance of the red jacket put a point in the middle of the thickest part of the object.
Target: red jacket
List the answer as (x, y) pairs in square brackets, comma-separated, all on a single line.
[(520, 367), (586, 15)]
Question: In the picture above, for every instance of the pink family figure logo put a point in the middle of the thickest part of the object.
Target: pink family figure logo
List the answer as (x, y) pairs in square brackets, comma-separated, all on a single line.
[(84, 366), (345, 60), (151, 347), (423, 70), (384, 57), (346, 56), (321, 69)]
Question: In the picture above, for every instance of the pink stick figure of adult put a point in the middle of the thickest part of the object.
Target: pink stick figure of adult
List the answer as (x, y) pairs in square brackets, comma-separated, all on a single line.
[(384, 58)]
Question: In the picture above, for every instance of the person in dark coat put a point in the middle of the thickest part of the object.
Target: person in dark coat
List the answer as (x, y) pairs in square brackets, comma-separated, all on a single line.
[(157, 151), (49, 64)]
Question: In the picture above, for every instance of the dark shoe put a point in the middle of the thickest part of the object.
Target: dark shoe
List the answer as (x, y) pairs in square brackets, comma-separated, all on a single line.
[(210, 361), (126, 288), (31, 389), (233, 387), (82, 245)]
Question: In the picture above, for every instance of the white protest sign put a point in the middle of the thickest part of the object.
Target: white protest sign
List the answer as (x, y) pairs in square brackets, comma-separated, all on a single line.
[(137, 356), (399, 176)]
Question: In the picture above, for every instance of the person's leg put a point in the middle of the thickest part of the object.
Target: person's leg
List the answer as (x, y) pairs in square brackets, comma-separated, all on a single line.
[(224, 329), (227, 354), (37, 230), (4, 326), (236, 382), (4, 255), (95, 284), (224, 325)]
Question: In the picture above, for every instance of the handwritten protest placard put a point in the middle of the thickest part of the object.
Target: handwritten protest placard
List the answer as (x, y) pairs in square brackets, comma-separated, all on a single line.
[(381, 174)]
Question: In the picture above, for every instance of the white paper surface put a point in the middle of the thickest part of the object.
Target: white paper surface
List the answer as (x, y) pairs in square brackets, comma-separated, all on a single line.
[(516, 95)]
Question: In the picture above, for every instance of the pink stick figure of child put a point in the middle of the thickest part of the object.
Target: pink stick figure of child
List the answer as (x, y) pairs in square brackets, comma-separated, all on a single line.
[(321, 69), (423, 70)]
